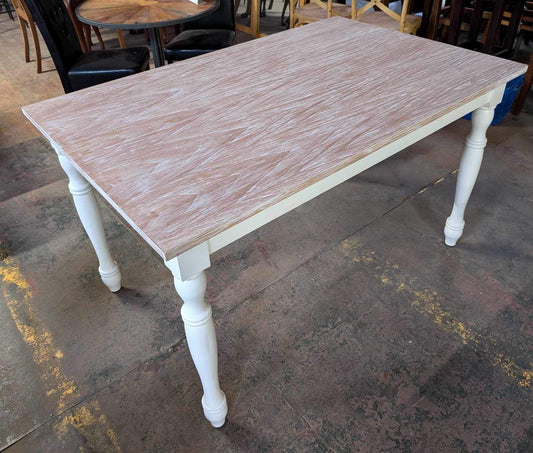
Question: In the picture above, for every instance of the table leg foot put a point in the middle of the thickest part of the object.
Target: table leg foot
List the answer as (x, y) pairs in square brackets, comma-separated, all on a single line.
[(201, 338), (216, 416), (468, 171), (91, 219), (452, 232)]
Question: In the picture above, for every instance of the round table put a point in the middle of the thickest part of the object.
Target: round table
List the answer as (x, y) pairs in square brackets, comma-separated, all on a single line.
[(149, 14)]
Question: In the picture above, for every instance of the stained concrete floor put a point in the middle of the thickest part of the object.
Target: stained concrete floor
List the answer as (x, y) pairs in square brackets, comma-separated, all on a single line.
[(345, 325)]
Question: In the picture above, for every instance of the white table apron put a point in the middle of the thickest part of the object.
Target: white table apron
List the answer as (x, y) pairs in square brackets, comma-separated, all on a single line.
[(189, 268)]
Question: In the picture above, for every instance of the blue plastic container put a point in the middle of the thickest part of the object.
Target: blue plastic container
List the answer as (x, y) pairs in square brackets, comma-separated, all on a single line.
[(511, 90)]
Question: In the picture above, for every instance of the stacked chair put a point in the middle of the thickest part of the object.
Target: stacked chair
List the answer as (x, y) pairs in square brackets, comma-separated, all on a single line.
[(375, 12), (526, 26), (488, 26)]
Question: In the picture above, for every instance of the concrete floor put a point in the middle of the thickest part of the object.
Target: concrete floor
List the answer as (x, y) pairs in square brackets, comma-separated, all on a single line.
[(345, 325)]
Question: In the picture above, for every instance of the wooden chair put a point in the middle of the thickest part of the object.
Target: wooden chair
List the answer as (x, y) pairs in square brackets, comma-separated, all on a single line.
[(526, 26), (84, 30), (526, 88), (489, 26), (377, 12), (302, 12), (26, 21)]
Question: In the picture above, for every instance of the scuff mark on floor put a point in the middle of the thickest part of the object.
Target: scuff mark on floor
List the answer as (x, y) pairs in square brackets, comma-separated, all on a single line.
[(87, 418), (428, 303)]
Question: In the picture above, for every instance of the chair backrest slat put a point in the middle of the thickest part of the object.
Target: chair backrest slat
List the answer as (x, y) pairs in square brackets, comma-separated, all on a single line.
[(383, 7), (491, 25)]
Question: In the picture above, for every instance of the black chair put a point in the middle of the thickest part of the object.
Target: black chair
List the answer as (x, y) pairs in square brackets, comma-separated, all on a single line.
[(204, 35), (76, 69)]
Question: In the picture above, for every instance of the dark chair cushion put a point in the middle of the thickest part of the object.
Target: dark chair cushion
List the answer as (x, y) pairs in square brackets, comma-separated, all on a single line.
[(192, 43), (101, 66)]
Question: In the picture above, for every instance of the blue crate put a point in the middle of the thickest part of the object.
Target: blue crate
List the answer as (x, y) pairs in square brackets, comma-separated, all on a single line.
[(511, 90)]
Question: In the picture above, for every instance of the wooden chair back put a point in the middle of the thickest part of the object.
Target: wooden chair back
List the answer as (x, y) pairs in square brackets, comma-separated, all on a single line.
[(526, 22), (489, 26), (526, 26), (383, 6), (84, 30), (300, 15), (71, 6)]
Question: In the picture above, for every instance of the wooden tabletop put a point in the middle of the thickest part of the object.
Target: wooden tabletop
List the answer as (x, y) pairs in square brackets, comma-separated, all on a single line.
[(185, 151), (142, 13)]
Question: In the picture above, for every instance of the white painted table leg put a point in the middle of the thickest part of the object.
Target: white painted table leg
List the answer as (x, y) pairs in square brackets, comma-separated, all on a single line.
[(200, 330), (90, 217), (468, 171)]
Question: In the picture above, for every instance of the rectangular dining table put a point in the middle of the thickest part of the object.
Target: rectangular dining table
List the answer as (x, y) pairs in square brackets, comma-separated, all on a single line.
[(197, 154)]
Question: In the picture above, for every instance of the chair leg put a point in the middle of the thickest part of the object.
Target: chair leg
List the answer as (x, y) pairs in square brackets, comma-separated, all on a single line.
[(519, 40), (522, 94), (121, 39), (87, 36), (292, 21), (99, 37), (37, 47), (7, 6), (22, 24), (285, 4), (248, 9)]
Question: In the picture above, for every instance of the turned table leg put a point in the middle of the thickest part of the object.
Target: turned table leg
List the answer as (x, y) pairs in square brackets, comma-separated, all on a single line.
[(201, 338), (468, 171), (90, 217)]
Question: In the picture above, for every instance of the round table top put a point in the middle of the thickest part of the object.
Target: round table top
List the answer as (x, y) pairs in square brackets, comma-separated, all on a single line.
[(132, 14)]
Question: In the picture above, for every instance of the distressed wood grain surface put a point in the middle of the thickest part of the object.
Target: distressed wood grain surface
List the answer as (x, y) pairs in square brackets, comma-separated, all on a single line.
[(140, 13), (185, 151)]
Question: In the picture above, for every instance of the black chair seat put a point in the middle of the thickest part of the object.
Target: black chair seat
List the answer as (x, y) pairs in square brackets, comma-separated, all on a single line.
[(101, 66), (192, 43)]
